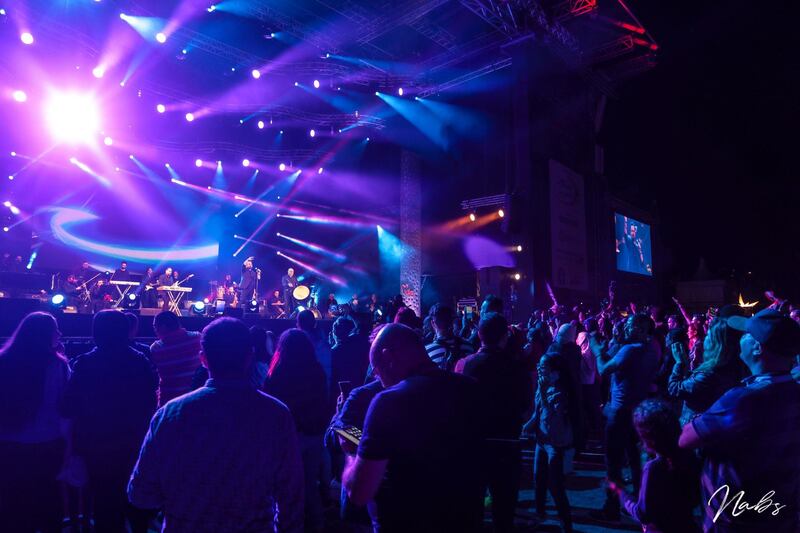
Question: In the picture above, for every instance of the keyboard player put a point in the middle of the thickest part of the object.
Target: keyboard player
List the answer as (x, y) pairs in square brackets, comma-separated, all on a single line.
[(122, 273)]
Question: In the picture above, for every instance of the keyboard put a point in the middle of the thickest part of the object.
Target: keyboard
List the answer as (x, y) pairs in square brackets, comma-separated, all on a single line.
[(128, 283), (352, 433), (173, 289)]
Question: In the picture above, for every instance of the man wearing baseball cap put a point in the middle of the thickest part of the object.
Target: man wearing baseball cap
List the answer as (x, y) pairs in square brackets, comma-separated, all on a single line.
[(750, 438)]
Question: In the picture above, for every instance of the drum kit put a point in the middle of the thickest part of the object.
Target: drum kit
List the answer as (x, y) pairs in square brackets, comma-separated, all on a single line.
[(306, 297)]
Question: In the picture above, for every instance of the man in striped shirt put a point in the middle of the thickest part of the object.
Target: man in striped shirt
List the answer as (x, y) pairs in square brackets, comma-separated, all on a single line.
[(447, 348), (176, 354)]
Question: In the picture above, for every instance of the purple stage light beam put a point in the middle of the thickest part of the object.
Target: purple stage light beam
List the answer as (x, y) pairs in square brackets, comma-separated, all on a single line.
[(335, 279)]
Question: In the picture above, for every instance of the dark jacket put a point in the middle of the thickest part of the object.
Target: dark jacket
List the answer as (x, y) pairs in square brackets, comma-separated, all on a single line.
[(349, 362), (506, 387), (111, 396), (700, 388), (305, 395), (557, 414)]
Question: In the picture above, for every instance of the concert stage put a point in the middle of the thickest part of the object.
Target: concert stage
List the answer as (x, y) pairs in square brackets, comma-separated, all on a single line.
[(12, 310)]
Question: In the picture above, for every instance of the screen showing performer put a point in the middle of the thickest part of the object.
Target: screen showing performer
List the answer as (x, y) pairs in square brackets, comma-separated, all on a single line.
[(633, 247)]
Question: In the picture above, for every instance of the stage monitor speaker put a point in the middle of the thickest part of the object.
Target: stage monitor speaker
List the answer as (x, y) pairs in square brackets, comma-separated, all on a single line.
[(149, 311), (234, 312)]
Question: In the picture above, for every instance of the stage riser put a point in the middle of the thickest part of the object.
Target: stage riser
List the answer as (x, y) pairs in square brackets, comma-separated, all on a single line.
[(80, 325)]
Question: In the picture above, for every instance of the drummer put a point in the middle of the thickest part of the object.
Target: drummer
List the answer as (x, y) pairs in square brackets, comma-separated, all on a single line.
[(289, 283)]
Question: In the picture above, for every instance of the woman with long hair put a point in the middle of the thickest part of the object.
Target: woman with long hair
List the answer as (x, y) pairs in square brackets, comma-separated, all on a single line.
[(33, 376), (719, 371), (296, 378)]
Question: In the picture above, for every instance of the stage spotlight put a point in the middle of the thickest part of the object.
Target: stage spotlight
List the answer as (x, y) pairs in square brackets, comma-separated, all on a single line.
[(5, 228), (472, 217), (131, 301), (260, 124), (319, 170), (161, 108), (245, 162), (519, 247), (256, 73), (2, 12), (13, 154), (26, 37), (108, 141), (19, 96), (199, 308), (312, 133), (282, 167), (72, 118), (252, 306), (189, 117), (400, 91), (161, 37), (11, 176), (166, 165), (211, 8), (501, 213), (58, 301), (99, 71), (198, 162), (316, 84), (517, 276)]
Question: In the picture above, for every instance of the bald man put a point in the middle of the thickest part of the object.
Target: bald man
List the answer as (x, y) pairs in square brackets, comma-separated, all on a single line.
[(419, 456)]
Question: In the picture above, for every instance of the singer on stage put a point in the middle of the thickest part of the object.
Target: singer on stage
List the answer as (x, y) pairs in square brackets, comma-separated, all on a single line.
[(289, 282), (248, 286)]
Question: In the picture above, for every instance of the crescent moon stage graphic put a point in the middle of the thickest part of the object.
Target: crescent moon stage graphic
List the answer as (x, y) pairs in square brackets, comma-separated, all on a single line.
[(64, 218)]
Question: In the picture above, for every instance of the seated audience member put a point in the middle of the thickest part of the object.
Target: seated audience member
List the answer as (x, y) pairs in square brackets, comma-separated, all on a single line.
[(670, 486), (133, 331), (720, 370), (749, 437), (507, 396), (447, 348), (110, 399), (349, 356), (176, 353), (422, 437), (225, 457), (632, 370), (33, 376), (296, 378)]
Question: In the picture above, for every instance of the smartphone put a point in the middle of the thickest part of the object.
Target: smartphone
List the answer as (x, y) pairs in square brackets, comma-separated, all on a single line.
[(344, 388), (351, 433)]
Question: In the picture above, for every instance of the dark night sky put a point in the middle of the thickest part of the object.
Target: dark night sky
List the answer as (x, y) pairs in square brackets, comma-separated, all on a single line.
[(711, 136)]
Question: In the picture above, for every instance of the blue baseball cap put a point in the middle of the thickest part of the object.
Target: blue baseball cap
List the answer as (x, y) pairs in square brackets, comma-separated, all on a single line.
[(776, 331)]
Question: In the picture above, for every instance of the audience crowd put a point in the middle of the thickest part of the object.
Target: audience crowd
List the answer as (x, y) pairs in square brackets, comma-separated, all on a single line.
[(419, 424)]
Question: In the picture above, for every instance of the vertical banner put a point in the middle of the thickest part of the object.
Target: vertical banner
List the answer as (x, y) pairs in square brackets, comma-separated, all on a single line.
[(411, 231), (568, 228)]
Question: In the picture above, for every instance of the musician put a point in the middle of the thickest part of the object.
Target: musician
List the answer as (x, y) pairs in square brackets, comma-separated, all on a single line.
[(328, 306), (176, 277), (289, 283), (122, 273), (72, 290), (228, 282), (147, 290), (248, 286), (102, 297), (84, 272), (275, 307), (166, 279)]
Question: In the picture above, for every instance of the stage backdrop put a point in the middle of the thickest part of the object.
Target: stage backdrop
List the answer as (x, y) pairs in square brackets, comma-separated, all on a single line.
[(568, 228)]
